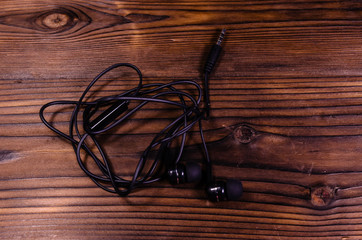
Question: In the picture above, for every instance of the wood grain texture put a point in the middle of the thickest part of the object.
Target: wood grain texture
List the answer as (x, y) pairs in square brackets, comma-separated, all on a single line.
[(286, 117)]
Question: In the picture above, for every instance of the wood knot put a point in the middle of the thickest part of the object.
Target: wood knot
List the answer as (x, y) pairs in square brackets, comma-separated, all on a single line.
[(57, 20), (322, 196), (244, 134)]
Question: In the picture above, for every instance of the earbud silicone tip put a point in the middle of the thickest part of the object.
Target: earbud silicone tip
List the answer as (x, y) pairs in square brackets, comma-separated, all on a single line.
[(193, 172), (234, 189)]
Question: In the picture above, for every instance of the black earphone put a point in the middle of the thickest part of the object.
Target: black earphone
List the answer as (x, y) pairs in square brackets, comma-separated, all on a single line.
[(185, 173), (105, 113)]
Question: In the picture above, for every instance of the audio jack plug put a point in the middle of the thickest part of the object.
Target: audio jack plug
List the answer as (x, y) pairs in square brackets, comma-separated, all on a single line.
[(209, 66)]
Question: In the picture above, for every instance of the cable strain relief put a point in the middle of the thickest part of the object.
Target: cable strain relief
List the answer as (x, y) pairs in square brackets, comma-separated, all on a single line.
[(208, 67), (212, 58)]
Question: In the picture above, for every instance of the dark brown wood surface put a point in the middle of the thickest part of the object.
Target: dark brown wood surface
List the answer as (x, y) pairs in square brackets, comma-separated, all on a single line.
[(286, 117)]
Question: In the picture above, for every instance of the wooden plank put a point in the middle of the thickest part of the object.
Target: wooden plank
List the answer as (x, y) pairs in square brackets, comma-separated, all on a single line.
[(285, 120)]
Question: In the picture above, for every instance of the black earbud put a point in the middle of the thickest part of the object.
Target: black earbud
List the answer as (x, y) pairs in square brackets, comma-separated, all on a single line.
[(230, 190), (190, 172)]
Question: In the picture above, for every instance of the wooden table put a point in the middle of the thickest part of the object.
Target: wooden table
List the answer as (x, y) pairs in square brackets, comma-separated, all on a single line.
[(286, 117)]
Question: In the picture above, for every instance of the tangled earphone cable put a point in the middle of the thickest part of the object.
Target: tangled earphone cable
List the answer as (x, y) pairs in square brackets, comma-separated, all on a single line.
[(103, 114)]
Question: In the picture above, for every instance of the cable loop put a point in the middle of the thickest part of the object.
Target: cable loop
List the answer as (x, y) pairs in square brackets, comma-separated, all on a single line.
[(97, 121)]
